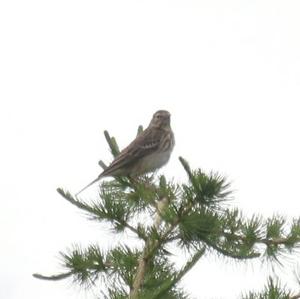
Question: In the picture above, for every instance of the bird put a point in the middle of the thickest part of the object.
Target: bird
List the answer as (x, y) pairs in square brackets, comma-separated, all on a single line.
[(149, 151)]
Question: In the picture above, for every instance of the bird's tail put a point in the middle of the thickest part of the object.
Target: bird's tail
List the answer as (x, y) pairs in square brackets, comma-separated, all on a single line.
[(90, 184)]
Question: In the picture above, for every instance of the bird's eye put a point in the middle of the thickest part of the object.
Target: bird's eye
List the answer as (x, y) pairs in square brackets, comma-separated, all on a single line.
[(158, 116)]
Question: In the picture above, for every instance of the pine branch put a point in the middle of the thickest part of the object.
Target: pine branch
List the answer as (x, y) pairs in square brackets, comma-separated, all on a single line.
[(272, 290), (189, 265), (139, 130), (53, 277), (232, 254), (91, 210), (204, 190), (273, 236), (148, 251), (86, 265), (190, 213), (268, 242), (140, 276), (112, 144), (151, 246), (168, 285), (102, 164), (186, 168)]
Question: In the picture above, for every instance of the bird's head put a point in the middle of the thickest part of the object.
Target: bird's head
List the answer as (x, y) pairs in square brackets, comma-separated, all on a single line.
[(161, 119)]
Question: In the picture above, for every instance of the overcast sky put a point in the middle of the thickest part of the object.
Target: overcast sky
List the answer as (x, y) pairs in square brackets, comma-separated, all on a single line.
[(229, 73)]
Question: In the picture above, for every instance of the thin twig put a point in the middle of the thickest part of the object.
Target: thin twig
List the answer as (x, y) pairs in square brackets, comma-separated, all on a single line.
[(53, 277)]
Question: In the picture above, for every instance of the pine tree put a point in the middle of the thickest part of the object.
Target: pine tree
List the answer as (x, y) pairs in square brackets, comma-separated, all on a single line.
[(194, 216)]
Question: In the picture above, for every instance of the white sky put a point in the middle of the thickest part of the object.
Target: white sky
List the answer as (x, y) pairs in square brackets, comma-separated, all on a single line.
[(228, 71)]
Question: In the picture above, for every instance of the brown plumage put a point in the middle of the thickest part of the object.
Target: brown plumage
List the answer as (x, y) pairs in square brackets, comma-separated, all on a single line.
[(149, 151)]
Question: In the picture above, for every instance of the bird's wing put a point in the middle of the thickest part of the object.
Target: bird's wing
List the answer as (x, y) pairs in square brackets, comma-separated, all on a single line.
[(145, 144)]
